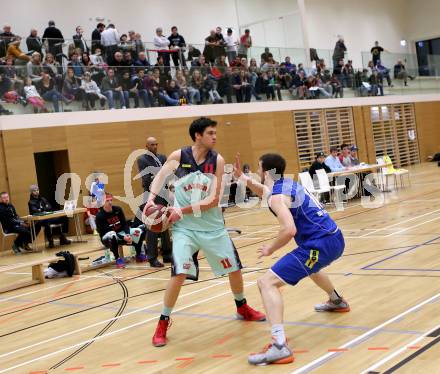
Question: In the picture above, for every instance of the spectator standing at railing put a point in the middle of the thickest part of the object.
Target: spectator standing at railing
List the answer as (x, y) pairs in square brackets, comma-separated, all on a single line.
[(339, 51), (231, 46), (266, 55), (33, 42), (375, 52), (54, 39), (79, 41), (5, 38), (110, 41), (245, 43), (96, 37), (162, 44), (211, 42), (177, 42), (139, 46)]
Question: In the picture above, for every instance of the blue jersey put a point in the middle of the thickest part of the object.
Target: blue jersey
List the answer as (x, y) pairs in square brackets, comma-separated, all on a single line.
[(311, 220)]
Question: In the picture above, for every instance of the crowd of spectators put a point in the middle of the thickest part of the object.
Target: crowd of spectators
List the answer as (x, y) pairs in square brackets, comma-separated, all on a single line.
[(114, 70)]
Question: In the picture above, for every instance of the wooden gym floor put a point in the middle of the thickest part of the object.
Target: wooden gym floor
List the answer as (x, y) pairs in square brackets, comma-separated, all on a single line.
[(103, 321)]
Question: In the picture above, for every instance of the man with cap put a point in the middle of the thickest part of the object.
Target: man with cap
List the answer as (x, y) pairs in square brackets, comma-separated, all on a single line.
[(38, 205), (319, 164)]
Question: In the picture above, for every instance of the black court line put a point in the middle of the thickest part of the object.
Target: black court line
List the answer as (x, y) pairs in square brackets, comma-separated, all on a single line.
[(434, 334), (413, 356)]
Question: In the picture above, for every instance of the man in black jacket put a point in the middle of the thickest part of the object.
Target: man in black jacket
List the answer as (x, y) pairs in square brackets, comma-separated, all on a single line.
[(149, 164), (177, 42), (12, 223), (55, 40), (33, 42), (114, 231), (38, 205), (96, 37), (79, 40)]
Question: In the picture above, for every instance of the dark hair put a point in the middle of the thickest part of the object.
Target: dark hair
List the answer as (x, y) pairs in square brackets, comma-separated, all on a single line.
[(270, 161), (334, 148), (199, 125), (343, 145), (51, 23), (100, 24), (173, 28), (247, 30)]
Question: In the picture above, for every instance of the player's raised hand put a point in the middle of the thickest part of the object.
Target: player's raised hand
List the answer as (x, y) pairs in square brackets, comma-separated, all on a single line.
[(265, 250), (237, 166)]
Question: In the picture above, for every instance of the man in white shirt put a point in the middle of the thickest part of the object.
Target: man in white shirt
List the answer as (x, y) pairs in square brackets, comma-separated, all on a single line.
[(110, 40), (231, 46), (162, 43)]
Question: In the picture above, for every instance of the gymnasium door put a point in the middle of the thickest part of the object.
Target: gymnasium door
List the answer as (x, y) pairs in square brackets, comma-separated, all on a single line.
[(49, 166)]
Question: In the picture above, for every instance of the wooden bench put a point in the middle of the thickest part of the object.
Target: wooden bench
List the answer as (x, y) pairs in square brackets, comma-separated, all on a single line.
[(6, 240), (37, 268)]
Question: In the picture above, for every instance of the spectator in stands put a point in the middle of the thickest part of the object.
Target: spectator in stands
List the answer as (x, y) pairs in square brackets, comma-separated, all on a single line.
[(139, 46), (77, 66), (298, 85), (114, 231), (5, 38), (337, 88), (177, 43), (384, 72), (339, 51), (401, 73), (46, 87), (211, 42), (348, 74), (266, 55), (242, 86), (91, 92), (110, 41), (111, 88), (193, 53), (53, 68), (11, 73), (38, 204), (376, 82), (196, 87), (118, 65), (271, 86), (129, 90), (183, 86), (319, 164), (332, 160), (33, 97), (162, 44), (33, 42), (4, 111), (15, 52), (375, 52), (79, 41), (96, 37), (149, 165), (72, 86), (124, 45), (291, 68), (142, 61), (139, 84), (54, 39), (12, 223), (231, 45), (245, 43)]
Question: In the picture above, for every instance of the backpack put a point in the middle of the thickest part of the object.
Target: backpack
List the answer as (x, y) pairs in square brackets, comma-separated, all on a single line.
[(67, 264)]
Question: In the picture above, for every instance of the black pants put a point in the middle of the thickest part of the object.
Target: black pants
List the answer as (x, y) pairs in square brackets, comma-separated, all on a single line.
[(24, 235), (176, 59), (53, 221), (115, 241), (152, 238)]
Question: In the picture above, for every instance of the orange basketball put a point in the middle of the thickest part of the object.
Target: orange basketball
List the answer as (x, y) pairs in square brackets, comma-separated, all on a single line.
[(155, 218)]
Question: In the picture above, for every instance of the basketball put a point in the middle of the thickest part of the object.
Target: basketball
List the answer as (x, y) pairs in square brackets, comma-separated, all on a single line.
[(155, 218)]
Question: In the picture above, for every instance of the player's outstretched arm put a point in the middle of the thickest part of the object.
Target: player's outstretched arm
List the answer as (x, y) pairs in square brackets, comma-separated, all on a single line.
[(280, 206), (257, 188), (167, 169)]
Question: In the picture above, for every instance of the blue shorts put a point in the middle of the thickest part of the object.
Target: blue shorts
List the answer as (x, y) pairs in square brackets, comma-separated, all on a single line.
[(309, 258)]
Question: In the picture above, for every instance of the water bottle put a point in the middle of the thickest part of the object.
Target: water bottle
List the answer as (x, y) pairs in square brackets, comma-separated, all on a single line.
[(132, 251), (107, 255)]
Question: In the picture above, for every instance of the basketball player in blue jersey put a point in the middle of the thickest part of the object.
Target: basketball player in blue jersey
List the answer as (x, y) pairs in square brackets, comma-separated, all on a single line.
[(198, 222), (319, 240)]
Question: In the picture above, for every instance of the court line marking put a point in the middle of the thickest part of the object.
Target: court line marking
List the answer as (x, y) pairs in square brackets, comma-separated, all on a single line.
[(102, 336), (399, 351), (116, 318), (399, 223), (323, 359), (411, 227)]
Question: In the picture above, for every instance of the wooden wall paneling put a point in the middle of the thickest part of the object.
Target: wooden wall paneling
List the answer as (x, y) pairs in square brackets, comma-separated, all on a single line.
[(286, 141), (20, 166), (427, 116), (369, 137), (361, 133), (4, 185), (49, 139)]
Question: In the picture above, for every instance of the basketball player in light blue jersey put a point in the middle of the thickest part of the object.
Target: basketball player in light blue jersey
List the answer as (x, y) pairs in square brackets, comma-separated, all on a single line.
[(198, 222), (319, 241)]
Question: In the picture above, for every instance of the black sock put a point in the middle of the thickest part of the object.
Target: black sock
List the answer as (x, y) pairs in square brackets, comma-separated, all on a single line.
[(164, 318), (339, 296), (240, 303)]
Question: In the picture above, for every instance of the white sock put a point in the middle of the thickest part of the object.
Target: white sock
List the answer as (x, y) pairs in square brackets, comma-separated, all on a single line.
[(278, 334)]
